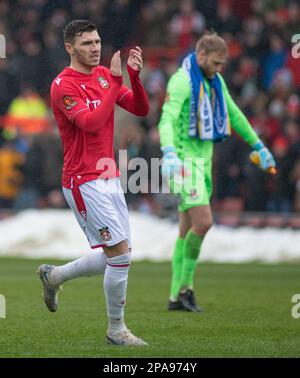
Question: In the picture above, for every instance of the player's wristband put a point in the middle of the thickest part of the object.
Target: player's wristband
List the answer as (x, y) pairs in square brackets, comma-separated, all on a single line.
[(258, 146), (167, 149)]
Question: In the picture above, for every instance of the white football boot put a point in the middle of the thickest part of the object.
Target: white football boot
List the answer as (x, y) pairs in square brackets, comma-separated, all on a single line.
[(50, 291), (125, 338)]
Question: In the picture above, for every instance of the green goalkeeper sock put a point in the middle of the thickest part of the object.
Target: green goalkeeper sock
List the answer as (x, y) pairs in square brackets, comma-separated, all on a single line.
[(176, 268), (191, 252)]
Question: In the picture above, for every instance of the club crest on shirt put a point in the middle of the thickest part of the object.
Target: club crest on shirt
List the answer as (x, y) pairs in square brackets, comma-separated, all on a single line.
[(103, 82), (105, 234), (68, 102)]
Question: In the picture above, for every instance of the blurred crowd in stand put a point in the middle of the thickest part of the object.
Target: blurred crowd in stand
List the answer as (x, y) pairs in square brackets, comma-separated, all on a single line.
[(262, 75)]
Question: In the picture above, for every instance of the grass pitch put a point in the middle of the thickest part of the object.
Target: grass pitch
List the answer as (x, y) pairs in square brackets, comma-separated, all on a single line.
[(247, 313)]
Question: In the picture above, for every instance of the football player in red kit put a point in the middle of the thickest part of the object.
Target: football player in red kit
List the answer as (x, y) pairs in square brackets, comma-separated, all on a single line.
[(83, 97)]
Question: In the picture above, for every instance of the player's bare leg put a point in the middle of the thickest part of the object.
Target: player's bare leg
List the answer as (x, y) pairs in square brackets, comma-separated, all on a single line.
[(202, 219), (118, 259)]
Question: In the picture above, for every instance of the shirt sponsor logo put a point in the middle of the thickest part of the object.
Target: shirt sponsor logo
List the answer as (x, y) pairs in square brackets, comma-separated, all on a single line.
[(68, 102), (95, 103), (103, 82)]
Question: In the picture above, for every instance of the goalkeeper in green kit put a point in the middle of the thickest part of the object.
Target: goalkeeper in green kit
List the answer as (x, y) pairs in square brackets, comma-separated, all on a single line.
[(198, 111)]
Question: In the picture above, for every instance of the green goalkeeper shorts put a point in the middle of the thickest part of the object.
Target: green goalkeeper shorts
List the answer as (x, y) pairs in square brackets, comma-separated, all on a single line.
[(195, 187)]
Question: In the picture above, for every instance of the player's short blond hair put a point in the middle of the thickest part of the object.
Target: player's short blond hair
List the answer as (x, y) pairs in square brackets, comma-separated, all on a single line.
[(212, 42)]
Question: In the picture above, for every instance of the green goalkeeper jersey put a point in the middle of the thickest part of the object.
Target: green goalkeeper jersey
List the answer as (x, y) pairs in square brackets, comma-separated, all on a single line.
[(175, 119)]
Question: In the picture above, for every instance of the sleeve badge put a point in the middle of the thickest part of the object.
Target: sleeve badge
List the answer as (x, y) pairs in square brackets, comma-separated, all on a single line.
[(68, 102)]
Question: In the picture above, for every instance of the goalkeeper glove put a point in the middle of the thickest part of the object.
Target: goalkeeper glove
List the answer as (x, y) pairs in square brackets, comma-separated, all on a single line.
[(262, 157), (171, 164)]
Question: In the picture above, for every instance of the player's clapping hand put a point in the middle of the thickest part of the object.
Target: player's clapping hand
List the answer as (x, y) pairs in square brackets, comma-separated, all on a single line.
[(115, 64), (135, 59)]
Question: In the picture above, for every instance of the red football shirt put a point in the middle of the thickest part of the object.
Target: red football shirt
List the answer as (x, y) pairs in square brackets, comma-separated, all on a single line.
[(83, 106)]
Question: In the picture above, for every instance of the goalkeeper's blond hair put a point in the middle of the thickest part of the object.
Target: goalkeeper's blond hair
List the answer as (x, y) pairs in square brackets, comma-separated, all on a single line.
[(212, 42)]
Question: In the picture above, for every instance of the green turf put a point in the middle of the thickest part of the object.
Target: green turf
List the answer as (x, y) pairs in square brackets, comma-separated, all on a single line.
[(247, 314)]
